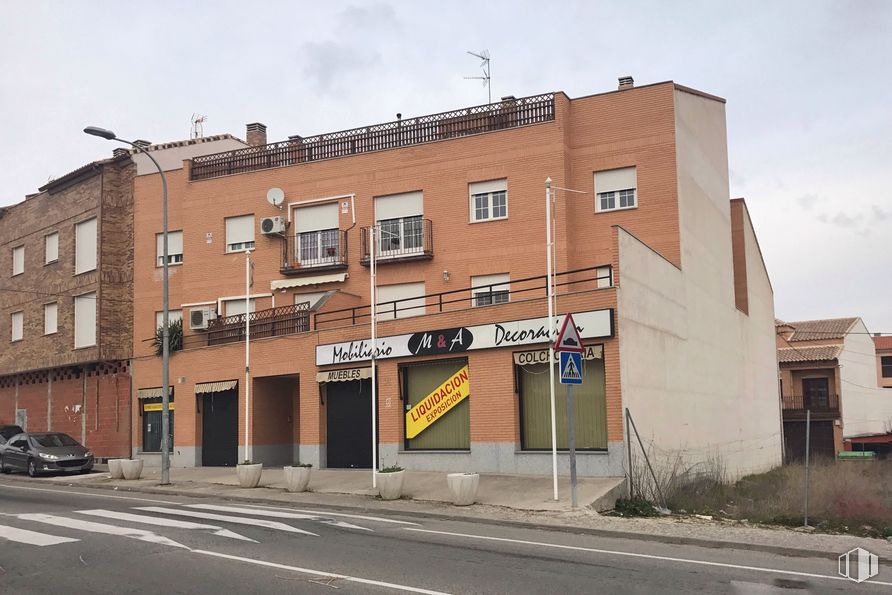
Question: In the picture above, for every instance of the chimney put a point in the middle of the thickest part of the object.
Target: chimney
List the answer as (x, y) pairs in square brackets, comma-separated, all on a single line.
[(142, 144), (256, 135), (626, 82), (509, 98), (120, 152)]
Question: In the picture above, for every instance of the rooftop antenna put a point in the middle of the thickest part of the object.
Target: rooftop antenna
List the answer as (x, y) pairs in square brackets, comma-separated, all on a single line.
[(197, 125), (484, 57)]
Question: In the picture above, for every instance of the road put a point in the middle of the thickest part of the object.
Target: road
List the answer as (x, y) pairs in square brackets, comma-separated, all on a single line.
[(70, 540)]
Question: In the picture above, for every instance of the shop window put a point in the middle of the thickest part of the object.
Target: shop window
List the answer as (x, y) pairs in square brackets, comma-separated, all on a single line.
[(590, 410), (452, 429), (151, 424)]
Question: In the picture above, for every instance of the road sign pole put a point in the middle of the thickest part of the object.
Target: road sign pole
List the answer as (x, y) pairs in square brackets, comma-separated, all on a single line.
[(571, 440)]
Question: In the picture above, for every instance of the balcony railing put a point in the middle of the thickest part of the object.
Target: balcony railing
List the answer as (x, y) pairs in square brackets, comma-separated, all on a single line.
[(817, 404), (511, 113), (314, 251), (406, 238), (284, 320)]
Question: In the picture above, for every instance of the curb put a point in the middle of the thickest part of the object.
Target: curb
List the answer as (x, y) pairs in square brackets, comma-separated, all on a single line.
[(577, 530)]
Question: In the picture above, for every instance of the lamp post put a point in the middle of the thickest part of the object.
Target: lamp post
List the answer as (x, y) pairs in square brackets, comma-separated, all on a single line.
[(165, 320)]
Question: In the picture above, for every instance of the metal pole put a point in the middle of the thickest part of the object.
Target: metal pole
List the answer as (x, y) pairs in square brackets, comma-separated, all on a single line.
[(629, 455), (807, 445), (247, 354), (550, 293), (374, 300), (571, 439)]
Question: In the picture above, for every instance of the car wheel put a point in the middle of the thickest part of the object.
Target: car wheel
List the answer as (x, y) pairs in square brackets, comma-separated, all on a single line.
[(32, 469), (3, 468)]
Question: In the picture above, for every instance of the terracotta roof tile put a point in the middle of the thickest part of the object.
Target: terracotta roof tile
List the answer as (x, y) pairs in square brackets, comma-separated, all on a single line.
[(816, 353), (814, 330), (884, 342)]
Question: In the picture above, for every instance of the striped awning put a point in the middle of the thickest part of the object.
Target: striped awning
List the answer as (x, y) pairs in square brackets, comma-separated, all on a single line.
[(152, 393), (304, 281), (215, 387)]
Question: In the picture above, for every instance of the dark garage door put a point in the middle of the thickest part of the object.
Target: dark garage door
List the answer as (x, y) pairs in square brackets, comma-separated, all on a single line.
[(821, 441), (219, 425), (349, 424)]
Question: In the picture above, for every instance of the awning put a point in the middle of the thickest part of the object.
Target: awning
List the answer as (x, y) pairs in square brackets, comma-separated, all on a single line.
[(152, 393), (303, 281), (215, 387), (344, 375)]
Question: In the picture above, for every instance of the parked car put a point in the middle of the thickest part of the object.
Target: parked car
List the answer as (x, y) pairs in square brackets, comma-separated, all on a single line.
[(7, 432), (44, 452)]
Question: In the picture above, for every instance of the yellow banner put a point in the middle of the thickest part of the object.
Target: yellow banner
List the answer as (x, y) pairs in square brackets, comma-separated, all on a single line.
[(438, 403), (154, 406)]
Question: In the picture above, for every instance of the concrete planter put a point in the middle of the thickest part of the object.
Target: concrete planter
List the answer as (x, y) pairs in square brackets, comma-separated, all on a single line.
[(463, 487), (131, 468), (249, 475), (297, 478), (114, 469), (390, 485)]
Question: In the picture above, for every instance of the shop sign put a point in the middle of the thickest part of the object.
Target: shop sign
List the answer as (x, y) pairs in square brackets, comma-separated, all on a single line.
[(155, 406), (590, 325), (540, 356), (344, 375), (438, 403)]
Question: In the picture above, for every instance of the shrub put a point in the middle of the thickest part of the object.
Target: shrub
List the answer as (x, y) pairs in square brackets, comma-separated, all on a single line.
[(391, 469), (634, 507), (174, 336)]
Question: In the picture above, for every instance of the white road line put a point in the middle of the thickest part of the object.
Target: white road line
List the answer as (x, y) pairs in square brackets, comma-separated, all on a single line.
[(646, 556), (344, 577), (93, 495), (32, 537), (226, 518), (162, 522), (139, 534), (277, 514), (341, 514)]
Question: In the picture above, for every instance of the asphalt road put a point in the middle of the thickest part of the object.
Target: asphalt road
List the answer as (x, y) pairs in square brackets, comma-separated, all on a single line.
[(70, 540)]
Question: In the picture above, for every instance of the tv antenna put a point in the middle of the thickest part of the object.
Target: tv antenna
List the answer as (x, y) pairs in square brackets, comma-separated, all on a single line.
[(197, 125), (484, 64)]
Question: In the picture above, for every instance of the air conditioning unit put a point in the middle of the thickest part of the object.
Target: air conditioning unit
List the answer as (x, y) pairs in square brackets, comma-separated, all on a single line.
[(200, 317), (271, 225)]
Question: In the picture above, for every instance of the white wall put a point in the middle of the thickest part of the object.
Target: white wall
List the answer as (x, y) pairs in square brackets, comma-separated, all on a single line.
[(172, 158), (865, 407), (698, 376)]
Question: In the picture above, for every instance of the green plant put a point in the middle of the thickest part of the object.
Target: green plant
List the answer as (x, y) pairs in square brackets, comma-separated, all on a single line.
[(634, 507), (391, 469), (247, 462), (299, 464), (174, 337)]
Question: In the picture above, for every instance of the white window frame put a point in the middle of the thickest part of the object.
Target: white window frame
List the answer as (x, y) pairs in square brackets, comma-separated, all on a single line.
[(397, 229), (174, 256), (488, 191), (46, 248), (616, 194), (243, 245), (83, 300), (414, 304), (90, 265), (17, 326), (490, 290), (252, 306), (18, 260), (172, 316), (51, 323)]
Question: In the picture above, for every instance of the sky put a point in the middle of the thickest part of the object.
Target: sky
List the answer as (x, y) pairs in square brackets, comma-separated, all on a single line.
[(807, 83)]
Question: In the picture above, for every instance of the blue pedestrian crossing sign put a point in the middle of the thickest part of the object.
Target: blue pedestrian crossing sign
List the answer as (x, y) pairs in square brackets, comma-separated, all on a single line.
[(571, 367)]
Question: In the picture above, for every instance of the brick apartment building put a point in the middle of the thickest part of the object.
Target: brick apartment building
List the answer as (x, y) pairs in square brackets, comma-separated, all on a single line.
[(660, 268), (829, 367)]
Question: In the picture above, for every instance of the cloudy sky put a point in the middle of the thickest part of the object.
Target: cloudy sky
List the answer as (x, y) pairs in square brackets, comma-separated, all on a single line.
[(808, 87)]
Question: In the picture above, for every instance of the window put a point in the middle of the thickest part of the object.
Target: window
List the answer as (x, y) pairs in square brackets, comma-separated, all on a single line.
[(399, 217), (85, 246), (50, 318), (589, 406), (151, 423), (605, 277), (816, 392), (236, 307), (174, 248), (318, 239), (17, 322), (172, 317), (490, 289), (452, 431), (489, 200), (51, 248), (85, 320), (886, 363), (404, 308), (18, 260), (239, 233), (616, 189)]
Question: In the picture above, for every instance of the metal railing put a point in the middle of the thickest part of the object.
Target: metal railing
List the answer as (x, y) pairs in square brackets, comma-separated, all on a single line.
[(399, 239), (816, 403), (273, 322), (461, 299), (314, 250), (503, 115)]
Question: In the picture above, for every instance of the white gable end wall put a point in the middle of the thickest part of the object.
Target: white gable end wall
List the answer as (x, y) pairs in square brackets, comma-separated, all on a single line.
[(865, 407)]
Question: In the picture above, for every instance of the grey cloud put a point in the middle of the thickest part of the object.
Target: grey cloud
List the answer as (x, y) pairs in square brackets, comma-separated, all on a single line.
[(328, 61), (377, 18), (880, 214), (845, 220), (808, 201)]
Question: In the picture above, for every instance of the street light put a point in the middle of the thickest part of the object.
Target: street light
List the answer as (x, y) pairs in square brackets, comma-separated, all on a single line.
[(165, 320)]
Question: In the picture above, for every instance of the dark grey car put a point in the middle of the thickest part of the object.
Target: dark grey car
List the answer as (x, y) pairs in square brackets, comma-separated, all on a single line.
[(44, 452)]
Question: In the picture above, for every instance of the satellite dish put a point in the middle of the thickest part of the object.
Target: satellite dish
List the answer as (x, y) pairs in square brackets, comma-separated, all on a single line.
[(275, 196)]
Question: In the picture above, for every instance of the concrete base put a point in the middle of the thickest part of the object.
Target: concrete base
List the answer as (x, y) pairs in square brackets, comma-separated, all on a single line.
[(115, 471), (390, 485), (297, 478), (131, 468), (463, 487), (249, 475), (313, 454)]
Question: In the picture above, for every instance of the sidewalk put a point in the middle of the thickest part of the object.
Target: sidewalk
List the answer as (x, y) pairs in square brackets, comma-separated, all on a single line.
[(509, 499)]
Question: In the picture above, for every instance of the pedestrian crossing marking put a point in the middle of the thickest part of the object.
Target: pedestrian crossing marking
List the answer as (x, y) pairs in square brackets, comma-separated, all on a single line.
[(32, 537), (571, 371), (91, 527), (278, 514), (339, 514), (231, 519), (163, 522)]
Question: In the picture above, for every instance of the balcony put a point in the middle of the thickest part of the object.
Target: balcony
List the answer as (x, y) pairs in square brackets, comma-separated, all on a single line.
[(511, 113), (314, 251), (399, 240), (274, 322), (822, 406)]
